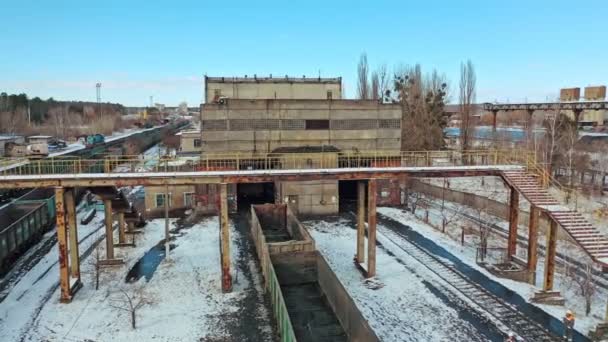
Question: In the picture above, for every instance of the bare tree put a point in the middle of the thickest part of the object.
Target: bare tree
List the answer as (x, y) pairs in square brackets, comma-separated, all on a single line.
[(422, 100), (553, 127), (59, 119), (95, 263), (585, 284), (131, 302), (413, 199), (468, 82), (14, 121), (375, 86), (383, 81), (363, 82), (599, 161)]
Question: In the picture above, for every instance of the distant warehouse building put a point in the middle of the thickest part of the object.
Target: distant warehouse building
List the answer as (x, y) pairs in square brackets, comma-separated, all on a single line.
[(9, 139)]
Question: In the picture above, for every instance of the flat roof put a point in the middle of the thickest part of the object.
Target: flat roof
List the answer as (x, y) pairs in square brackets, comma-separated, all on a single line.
[(39, 137), (270, 79), (10, 137)]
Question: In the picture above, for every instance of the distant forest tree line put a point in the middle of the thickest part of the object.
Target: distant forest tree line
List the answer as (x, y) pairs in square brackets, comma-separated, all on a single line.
[(63, 119)]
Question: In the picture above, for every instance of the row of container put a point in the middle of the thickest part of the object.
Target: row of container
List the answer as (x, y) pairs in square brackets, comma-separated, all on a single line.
[(308, 301), (23, 223)]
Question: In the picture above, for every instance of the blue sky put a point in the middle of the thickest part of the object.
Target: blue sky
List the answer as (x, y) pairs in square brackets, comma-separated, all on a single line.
[(522, 50)]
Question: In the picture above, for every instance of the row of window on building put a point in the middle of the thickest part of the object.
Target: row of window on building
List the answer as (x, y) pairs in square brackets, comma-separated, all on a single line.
[(299, 124)]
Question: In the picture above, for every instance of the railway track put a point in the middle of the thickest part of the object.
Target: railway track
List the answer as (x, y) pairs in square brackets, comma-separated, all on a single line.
[(526, 328), (601, 279)]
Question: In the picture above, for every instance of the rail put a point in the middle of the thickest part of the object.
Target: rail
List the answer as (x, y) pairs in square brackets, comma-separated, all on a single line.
[(271, 161)]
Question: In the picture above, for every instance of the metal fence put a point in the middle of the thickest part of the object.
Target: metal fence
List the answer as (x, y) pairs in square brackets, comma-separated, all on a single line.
[(271, 161)]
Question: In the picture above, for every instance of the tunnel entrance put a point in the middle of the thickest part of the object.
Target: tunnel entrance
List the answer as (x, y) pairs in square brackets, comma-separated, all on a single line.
[(254, 193), (347, 190)]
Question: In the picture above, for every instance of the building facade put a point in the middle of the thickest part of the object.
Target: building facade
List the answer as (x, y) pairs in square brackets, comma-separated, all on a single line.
[(286, 118), (262, 126)]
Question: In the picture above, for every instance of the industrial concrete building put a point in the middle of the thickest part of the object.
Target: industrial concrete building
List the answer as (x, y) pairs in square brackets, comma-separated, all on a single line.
[(190, 142), (256, 88), (262, 126), (282, 117)]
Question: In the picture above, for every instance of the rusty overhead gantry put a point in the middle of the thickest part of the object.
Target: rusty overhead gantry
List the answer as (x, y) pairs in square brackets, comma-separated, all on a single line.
[(104, 185), (518, 177), (577, 107)]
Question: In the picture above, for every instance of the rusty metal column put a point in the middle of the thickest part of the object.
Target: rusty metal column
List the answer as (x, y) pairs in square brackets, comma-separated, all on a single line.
[(167, 238), (360, 221), (121, 228), (62, 242), (131, 227), (550, 256), (371, 228), (107, 205), (73, 234), (513, 223), (532, 243), (225, 239)]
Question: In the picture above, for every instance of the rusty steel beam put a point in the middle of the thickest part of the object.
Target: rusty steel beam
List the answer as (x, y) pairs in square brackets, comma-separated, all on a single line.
[(360, 222), (371, 228), (193, 178), (513, 223), (550, 256), (62, 243), (533, 243), (73, 233), (107, 204), (225, 239)]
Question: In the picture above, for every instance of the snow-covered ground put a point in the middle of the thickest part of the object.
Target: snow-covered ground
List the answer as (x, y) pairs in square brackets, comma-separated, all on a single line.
[(467, 253), (22, 303), (494, 188), (184, 294), (412, 305)]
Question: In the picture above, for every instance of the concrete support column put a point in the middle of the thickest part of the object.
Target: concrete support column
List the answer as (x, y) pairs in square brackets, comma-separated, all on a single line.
[(533, 243), (360, 221), (225, 239), (62, 243), (513, 223), (371, 228), (73, 234), (121, 228), (107, 205), (550, 256), (494, 117)]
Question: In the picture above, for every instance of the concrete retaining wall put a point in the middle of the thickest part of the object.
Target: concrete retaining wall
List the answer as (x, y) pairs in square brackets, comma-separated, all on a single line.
[(307, 266), (280, 215), (492, 207), (346, 310)]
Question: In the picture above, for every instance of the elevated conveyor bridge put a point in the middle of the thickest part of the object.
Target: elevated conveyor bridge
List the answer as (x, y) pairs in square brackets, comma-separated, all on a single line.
[(518, 168)]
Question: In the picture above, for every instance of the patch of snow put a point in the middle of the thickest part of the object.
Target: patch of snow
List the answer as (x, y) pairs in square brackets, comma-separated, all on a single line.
[(187, 303), (574, 301), (405, 307)]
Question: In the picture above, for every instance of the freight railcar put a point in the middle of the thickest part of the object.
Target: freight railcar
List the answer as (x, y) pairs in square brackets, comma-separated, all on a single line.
[(23, 223)]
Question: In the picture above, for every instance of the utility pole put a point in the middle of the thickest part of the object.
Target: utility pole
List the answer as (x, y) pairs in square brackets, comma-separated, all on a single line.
[(98, 89)]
